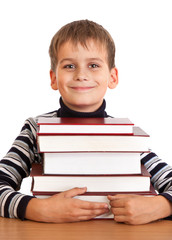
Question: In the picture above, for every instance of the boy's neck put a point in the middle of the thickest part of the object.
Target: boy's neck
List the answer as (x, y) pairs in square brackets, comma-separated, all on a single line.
[(64, 111)]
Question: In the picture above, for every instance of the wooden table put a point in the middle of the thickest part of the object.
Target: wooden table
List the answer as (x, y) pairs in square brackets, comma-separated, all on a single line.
[(96, 229)]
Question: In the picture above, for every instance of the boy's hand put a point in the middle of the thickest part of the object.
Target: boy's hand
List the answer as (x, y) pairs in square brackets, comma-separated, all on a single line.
[(63, 207), (136, 209)]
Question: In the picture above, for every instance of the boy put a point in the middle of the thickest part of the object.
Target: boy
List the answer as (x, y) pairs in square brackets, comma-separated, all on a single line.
[(82, 68)]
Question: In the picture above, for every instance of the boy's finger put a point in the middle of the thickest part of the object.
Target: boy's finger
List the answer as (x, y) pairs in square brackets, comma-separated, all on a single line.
[(82, 213), (121, 218), (93, 205), (87, 214), (118, 211), (74, 192), (120, 196), (117, 203)]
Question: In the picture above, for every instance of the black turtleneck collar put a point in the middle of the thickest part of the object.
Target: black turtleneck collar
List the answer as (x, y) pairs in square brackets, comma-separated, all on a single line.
[(64, 111)]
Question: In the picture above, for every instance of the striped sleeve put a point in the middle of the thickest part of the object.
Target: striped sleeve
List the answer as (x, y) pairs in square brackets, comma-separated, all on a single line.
[(161, 174), (14, 167)]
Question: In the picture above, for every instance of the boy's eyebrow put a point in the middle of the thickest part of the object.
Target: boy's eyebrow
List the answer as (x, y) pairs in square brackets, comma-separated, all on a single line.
[(73, 59), (95, 59), (66, 59)]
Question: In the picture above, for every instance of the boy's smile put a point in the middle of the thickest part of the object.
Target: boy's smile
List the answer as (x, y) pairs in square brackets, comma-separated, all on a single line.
[(82, 75)]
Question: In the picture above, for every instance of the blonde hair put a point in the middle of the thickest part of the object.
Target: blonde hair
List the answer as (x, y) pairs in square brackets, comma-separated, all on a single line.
[(80, 32)]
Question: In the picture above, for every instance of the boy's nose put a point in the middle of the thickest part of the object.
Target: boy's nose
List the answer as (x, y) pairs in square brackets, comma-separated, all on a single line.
[(81, 75)]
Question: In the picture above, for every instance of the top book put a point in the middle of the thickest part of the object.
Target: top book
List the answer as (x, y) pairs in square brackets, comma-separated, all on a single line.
[(85, 126)]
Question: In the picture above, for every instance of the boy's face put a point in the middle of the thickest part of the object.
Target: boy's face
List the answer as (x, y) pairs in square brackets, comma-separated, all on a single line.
[(82, 75)]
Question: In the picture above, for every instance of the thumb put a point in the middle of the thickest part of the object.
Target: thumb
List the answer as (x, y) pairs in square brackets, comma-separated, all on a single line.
[(120, 196), (117, 196), (110, 197), (74, 192)]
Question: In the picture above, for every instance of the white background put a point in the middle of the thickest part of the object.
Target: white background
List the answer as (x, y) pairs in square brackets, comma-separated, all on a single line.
[(142, 33)]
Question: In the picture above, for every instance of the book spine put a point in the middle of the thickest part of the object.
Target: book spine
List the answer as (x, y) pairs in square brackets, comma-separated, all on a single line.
[(146, 193)]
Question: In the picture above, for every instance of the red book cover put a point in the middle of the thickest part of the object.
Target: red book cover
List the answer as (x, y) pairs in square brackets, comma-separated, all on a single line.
[(84, 121), (85, 126)]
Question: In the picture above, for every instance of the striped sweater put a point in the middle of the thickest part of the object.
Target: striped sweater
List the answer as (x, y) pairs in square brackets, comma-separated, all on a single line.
[(18, 161)]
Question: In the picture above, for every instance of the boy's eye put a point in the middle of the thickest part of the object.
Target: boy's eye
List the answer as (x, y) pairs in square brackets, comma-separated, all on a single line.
[(69, 66), (93, 65)]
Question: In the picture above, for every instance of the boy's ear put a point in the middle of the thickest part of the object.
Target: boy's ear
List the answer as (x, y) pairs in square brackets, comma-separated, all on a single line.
[(113, 81), (53, 80)]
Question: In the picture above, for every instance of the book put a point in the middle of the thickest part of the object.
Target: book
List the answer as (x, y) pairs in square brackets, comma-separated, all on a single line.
[(138, 142), (94, 183), (85, 126), (91, 163)]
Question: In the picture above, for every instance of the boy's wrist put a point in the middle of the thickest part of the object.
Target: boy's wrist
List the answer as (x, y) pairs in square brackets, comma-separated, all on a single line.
[(163, 205), (35, 210)]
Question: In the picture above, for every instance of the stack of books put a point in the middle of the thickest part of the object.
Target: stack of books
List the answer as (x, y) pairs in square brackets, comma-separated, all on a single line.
[(102, 154)]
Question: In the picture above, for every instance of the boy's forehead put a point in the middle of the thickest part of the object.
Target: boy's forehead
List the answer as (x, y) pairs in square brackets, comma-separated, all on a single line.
[(89, 44)]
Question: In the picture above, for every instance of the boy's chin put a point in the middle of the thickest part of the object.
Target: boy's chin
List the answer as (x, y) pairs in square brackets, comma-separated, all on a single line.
[(83, 103), (83, 107)]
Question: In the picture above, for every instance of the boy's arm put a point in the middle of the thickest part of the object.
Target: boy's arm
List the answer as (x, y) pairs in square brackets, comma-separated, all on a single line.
[(134, 209), (13, 168), (161, 174)]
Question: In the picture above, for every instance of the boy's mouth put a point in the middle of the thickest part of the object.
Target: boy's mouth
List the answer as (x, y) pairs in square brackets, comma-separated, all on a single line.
[(82, 88)]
